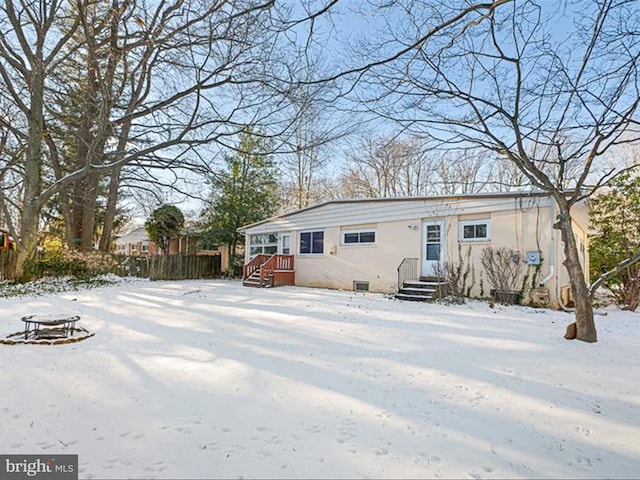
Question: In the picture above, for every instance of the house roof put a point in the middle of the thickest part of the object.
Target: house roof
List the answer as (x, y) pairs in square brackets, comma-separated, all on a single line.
[(441, 199), (134, 236)]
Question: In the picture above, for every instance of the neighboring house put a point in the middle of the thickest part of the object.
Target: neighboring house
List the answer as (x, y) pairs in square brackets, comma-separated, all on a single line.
[(361, 244), (136, 243)]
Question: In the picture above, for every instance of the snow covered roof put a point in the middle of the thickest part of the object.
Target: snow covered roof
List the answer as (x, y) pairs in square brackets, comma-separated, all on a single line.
[(135, 236)]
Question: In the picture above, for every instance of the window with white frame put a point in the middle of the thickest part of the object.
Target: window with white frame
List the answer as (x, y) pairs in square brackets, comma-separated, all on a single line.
[(312, 243), (286, 244), (144, 248), (475, 230), (266, 243), (359, 237)]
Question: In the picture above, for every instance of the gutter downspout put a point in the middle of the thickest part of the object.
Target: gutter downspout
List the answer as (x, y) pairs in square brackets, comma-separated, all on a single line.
[(552, 255), (552, 248), (552, 258), (561, 305)]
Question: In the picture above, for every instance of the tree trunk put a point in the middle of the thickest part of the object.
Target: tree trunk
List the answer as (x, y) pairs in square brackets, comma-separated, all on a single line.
[(112, 198), (32, 173), (110, 211), (232, 250), (586, 328), (83, 208)]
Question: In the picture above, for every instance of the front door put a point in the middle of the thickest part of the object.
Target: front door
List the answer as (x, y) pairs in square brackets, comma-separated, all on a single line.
[(432, 247), (285, 244)]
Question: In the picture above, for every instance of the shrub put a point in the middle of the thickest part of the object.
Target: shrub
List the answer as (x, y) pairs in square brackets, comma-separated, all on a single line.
[(457, 276), (504, 273), (68, 263)]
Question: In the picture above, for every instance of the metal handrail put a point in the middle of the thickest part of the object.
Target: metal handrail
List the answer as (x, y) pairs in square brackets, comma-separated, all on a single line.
[(407, 270)]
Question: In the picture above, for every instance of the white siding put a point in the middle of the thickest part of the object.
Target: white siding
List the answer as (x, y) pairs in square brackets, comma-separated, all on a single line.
[(344, 214)]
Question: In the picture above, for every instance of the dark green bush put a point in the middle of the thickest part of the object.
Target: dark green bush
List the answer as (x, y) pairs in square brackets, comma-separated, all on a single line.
[(56, 265), (63, 264)]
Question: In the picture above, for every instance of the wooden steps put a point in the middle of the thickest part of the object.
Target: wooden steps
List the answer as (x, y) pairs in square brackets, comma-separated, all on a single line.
[(269, 271), (253, 280)]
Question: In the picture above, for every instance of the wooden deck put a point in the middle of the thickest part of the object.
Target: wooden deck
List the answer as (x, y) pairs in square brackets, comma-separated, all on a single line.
[(269, 271)]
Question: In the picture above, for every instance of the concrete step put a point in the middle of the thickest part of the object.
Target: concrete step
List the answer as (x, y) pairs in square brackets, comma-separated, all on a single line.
[(432, 279), (414, 298), (418, 291), (423, 283)]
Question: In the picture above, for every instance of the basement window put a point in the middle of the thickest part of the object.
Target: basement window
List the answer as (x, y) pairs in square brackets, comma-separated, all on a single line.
[(360, 286)]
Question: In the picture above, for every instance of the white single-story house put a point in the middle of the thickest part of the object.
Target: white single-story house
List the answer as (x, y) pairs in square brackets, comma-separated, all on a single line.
[(133, 243), (364, 244)]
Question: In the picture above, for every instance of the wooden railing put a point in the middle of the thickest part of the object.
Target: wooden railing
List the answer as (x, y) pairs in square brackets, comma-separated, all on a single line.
[(407, 270), (277, 269), (254, 264), (267, 269), (284, 262)]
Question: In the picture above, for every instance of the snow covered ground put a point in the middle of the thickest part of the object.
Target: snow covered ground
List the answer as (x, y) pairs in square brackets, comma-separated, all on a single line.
[(207, 379)]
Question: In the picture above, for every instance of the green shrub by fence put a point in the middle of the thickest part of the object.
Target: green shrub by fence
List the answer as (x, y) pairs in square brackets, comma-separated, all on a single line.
[(156, 267)]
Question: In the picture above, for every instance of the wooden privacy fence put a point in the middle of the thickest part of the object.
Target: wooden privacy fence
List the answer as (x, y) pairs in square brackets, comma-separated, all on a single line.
[(7, 265), (184, 267), (168, 267), (155, 267)]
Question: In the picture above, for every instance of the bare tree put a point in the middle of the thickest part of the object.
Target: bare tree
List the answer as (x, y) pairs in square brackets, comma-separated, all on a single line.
[(304, 166), (497, 76), (464, 172), (11, 153), (32, 35), (380, 166), (153, 77), (408, 166)]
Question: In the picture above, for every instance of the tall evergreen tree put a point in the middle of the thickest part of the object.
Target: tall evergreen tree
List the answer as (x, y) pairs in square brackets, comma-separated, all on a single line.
[(244, 191), (616, 216)]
